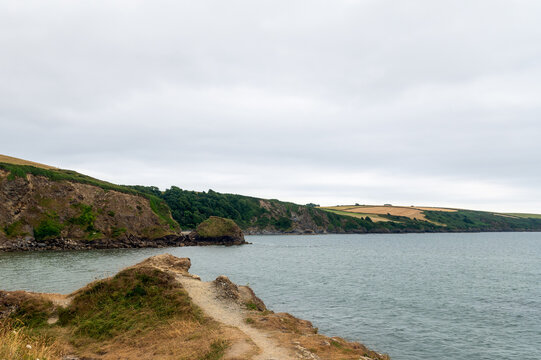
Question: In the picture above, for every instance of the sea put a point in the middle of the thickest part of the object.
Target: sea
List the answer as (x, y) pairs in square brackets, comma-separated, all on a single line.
[(413, 296)]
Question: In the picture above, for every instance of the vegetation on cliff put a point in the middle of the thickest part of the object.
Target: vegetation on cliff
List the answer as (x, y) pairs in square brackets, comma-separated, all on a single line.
[(253, 215)]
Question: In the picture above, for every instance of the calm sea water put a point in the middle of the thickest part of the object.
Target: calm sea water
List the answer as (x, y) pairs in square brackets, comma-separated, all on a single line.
[(415, 296)]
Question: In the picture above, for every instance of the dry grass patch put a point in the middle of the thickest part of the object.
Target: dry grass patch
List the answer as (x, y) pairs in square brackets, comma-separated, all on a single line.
[(175, 340), (373, 217), (17, 343), (412, 213), (303, 338), (11, 160), (372, 211)]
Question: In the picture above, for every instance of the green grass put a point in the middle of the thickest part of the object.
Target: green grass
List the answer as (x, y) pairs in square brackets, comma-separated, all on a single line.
[(251, 306), (134, 300)]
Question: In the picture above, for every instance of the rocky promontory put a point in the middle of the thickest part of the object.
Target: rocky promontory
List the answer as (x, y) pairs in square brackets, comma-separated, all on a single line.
[(158, 310)]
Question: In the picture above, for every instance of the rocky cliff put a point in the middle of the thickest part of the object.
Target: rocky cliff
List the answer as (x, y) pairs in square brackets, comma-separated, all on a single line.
[(37, 212)]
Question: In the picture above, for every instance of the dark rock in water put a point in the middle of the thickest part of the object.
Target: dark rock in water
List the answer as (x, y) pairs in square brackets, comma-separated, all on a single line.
[(217, 231)]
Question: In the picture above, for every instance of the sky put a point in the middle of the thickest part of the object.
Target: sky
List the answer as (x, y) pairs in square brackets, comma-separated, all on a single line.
[(418, 102)]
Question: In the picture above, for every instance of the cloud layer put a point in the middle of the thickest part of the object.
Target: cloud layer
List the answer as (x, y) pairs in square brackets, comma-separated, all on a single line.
[(416, 102)]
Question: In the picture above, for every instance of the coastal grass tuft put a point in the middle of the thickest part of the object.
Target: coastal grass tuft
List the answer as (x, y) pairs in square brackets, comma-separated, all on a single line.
[(31, 312), (134, 300), (251, 306), (17, 343), (217, 350)]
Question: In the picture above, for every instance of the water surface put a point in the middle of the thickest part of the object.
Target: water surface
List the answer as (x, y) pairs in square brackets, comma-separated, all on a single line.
[(415, 296)]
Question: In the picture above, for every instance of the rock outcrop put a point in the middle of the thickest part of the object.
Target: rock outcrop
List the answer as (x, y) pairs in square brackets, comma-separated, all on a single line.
[(217, 231)]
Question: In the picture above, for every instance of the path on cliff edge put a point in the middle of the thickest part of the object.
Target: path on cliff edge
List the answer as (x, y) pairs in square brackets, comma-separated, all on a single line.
[(229, 313)]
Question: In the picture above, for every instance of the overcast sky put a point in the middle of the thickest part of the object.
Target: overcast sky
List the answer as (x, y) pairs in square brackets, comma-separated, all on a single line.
[(335, 102)]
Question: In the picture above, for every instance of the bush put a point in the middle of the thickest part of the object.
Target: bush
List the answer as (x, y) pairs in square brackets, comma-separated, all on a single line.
[(48, 228)]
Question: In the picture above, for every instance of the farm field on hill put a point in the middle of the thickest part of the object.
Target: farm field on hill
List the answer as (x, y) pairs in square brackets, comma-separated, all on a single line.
[(11, 160), (371, 210)]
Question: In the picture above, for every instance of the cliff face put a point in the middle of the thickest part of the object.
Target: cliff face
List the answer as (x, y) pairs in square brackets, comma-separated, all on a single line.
[(39, 213), (280, 218)]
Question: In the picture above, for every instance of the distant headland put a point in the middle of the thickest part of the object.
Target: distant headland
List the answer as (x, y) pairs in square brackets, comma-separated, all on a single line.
[(46, 208)]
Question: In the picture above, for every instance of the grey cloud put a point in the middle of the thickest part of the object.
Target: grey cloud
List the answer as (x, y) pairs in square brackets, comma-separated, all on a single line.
[(261, 97)]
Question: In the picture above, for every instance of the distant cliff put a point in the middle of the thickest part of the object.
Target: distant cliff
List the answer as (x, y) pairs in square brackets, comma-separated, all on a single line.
[(263, 216)]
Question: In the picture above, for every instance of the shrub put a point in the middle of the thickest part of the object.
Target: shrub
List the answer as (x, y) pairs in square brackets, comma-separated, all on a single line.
[(48, 228)]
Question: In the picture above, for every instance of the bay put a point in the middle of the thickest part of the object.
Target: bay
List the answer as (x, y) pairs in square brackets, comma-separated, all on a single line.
[(414, 296)]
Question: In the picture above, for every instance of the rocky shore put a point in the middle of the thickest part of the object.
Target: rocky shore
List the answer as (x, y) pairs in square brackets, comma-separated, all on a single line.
[(59, 244), (224, 232)]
